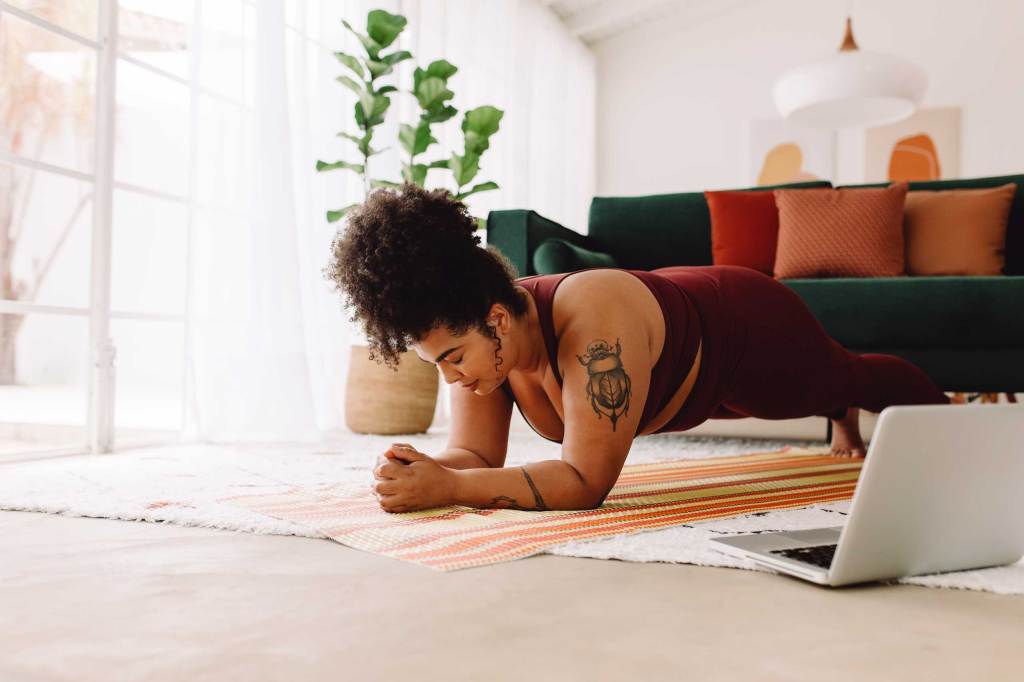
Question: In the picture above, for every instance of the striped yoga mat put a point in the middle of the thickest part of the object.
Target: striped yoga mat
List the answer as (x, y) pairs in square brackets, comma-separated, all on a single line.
[(646, 497)]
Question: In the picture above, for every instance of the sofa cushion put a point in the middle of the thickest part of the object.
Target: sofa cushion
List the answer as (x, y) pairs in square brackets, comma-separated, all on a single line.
[(1014, 225), (918, 312), (658, 230), (557, 255), (840, 232), (744, 229), (957, 231)]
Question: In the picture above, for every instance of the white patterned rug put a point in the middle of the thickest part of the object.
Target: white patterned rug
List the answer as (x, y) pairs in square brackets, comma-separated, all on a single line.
[(181, 484)]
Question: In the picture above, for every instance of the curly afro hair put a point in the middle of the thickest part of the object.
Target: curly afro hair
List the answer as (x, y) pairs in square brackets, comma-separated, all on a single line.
[(409, 261)]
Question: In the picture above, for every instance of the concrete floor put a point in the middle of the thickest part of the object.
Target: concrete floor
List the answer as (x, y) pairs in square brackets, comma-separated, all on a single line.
[(98, 599)]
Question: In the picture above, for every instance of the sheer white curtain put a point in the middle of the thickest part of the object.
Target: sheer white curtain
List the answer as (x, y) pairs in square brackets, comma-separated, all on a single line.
[(268, 340), (517, 56)]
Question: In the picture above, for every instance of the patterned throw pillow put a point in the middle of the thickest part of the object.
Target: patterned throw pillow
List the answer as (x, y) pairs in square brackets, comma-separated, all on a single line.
[(840, 232), (744, 229), (957, 231)]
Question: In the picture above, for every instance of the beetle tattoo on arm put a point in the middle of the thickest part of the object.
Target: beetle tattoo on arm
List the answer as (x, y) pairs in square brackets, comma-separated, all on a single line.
[(608, 386)]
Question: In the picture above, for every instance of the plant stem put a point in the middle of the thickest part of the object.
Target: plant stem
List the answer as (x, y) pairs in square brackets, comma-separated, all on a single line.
[(366, 175)]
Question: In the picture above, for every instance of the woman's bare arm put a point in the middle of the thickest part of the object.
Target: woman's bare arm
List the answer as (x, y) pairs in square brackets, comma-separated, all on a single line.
[(478, 433), (538, 486), (605, 363), (461, 458)]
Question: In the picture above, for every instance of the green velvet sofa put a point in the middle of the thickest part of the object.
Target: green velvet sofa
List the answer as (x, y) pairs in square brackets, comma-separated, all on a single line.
[(967, 333)]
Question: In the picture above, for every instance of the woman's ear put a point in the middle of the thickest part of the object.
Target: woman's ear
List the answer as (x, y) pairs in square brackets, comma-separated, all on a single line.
[(498, 318)]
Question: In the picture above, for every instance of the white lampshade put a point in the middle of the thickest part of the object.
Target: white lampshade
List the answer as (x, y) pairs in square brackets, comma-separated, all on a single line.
[(851, 88)]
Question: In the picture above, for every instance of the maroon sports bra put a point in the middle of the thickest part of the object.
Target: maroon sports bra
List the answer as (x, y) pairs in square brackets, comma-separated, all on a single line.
[(682, 335)]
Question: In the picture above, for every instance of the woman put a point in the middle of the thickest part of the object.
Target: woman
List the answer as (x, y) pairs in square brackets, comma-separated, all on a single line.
[(592, 359)]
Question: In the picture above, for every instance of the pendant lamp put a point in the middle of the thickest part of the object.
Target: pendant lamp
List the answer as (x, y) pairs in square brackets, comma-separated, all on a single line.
[(850, 89)]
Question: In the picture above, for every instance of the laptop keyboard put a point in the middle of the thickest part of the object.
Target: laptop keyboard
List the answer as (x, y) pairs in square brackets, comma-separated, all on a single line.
[(819, 555)]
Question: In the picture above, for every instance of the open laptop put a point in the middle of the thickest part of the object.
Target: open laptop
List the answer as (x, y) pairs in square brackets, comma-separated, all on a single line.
[(942, 489)]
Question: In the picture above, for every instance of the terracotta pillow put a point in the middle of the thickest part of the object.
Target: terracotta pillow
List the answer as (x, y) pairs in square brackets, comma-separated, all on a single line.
[(957, 231), (744, 229), (840, 232)]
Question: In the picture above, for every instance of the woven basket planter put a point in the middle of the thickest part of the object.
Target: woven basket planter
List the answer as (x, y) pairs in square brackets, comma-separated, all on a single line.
[(382, 401)]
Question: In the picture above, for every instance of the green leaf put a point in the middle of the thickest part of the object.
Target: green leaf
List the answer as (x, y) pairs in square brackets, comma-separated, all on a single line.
[(407, 136), (415, 173), (367, 102), (481, 223), (441, 69), (432, 93), (352, 63), (384, 27), (483, 120), (440, 115), (380, 107), (464, 168), (443, 163), (482, 187), (324, 166), (363, 143), (386, 89), (415, 140), (475, 144), (375, 184), (372, 47), (396, 57), (378, 68), (478, 126), (335, 216), (376, 105), (351, 85), (423, 138)]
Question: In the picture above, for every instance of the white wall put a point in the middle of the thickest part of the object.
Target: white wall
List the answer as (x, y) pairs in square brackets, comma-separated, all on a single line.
[(676, 96)]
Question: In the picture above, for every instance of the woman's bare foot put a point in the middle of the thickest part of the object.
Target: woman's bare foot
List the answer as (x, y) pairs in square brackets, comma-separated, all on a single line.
[(846, 440)]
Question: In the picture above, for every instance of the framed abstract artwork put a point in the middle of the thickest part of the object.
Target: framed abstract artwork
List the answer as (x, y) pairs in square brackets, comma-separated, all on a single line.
[(781, 152), (925, 146)]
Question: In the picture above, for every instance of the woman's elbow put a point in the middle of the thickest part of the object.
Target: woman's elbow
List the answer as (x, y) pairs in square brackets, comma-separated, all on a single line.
[(596, 498)]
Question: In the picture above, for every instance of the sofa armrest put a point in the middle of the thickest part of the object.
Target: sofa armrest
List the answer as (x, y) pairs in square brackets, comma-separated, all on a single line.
[(557, 255), (518, 233)]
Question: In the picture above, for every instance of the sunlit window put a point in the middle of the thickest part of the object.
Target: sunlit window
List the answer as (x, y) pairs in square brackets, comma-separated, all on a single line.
[(183, 106)]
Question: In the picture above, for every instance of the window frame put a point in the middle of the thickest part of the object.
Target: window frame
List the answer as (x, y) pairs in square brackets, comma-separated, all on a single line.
[(102, 351)]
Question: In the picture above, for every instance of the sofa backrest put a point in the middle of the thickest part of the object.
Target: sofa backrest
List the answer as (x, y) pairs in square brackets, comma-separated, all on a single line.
[(1014, 226), (659, 230)]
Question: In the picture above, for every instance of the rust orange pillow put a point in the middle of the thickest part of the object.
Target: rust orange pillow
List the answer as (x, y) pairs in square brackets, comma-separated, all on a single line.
[(840, 232), (744, 229), (957, 231)]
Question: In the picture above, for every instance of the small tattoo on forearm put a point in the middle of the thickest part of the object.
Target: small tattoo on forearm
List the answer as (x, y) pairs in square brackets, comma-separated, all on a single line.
[(511, 503), (503, 502), (608, 386), (537, 499)]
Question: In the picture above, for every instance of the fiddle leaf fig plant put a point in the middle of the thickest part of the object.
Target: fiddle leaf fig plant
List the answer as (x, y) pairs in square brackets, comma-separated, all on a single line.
[(432, 94), (477, 128), (430, 88), (372, 103)]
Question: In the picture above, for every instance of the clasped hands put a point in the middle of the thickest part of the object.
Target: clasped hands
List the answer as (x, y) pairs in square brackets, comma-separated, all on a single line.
[(409, 480)]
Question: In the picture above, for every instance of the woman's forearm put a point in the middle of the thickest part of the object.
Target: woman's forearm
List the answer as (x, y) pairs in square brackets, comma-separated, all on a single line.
[(460, 458), (538, 486)]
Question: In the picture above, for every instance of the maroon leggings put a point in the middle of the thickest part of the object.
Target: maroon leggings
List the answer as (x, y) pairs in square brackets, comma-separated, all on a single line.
[(765, 355)]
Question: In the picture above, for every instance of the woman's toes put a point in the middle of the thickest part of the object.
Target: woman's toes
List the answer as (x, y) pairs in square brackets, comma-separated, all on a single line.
[(840, 451)]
